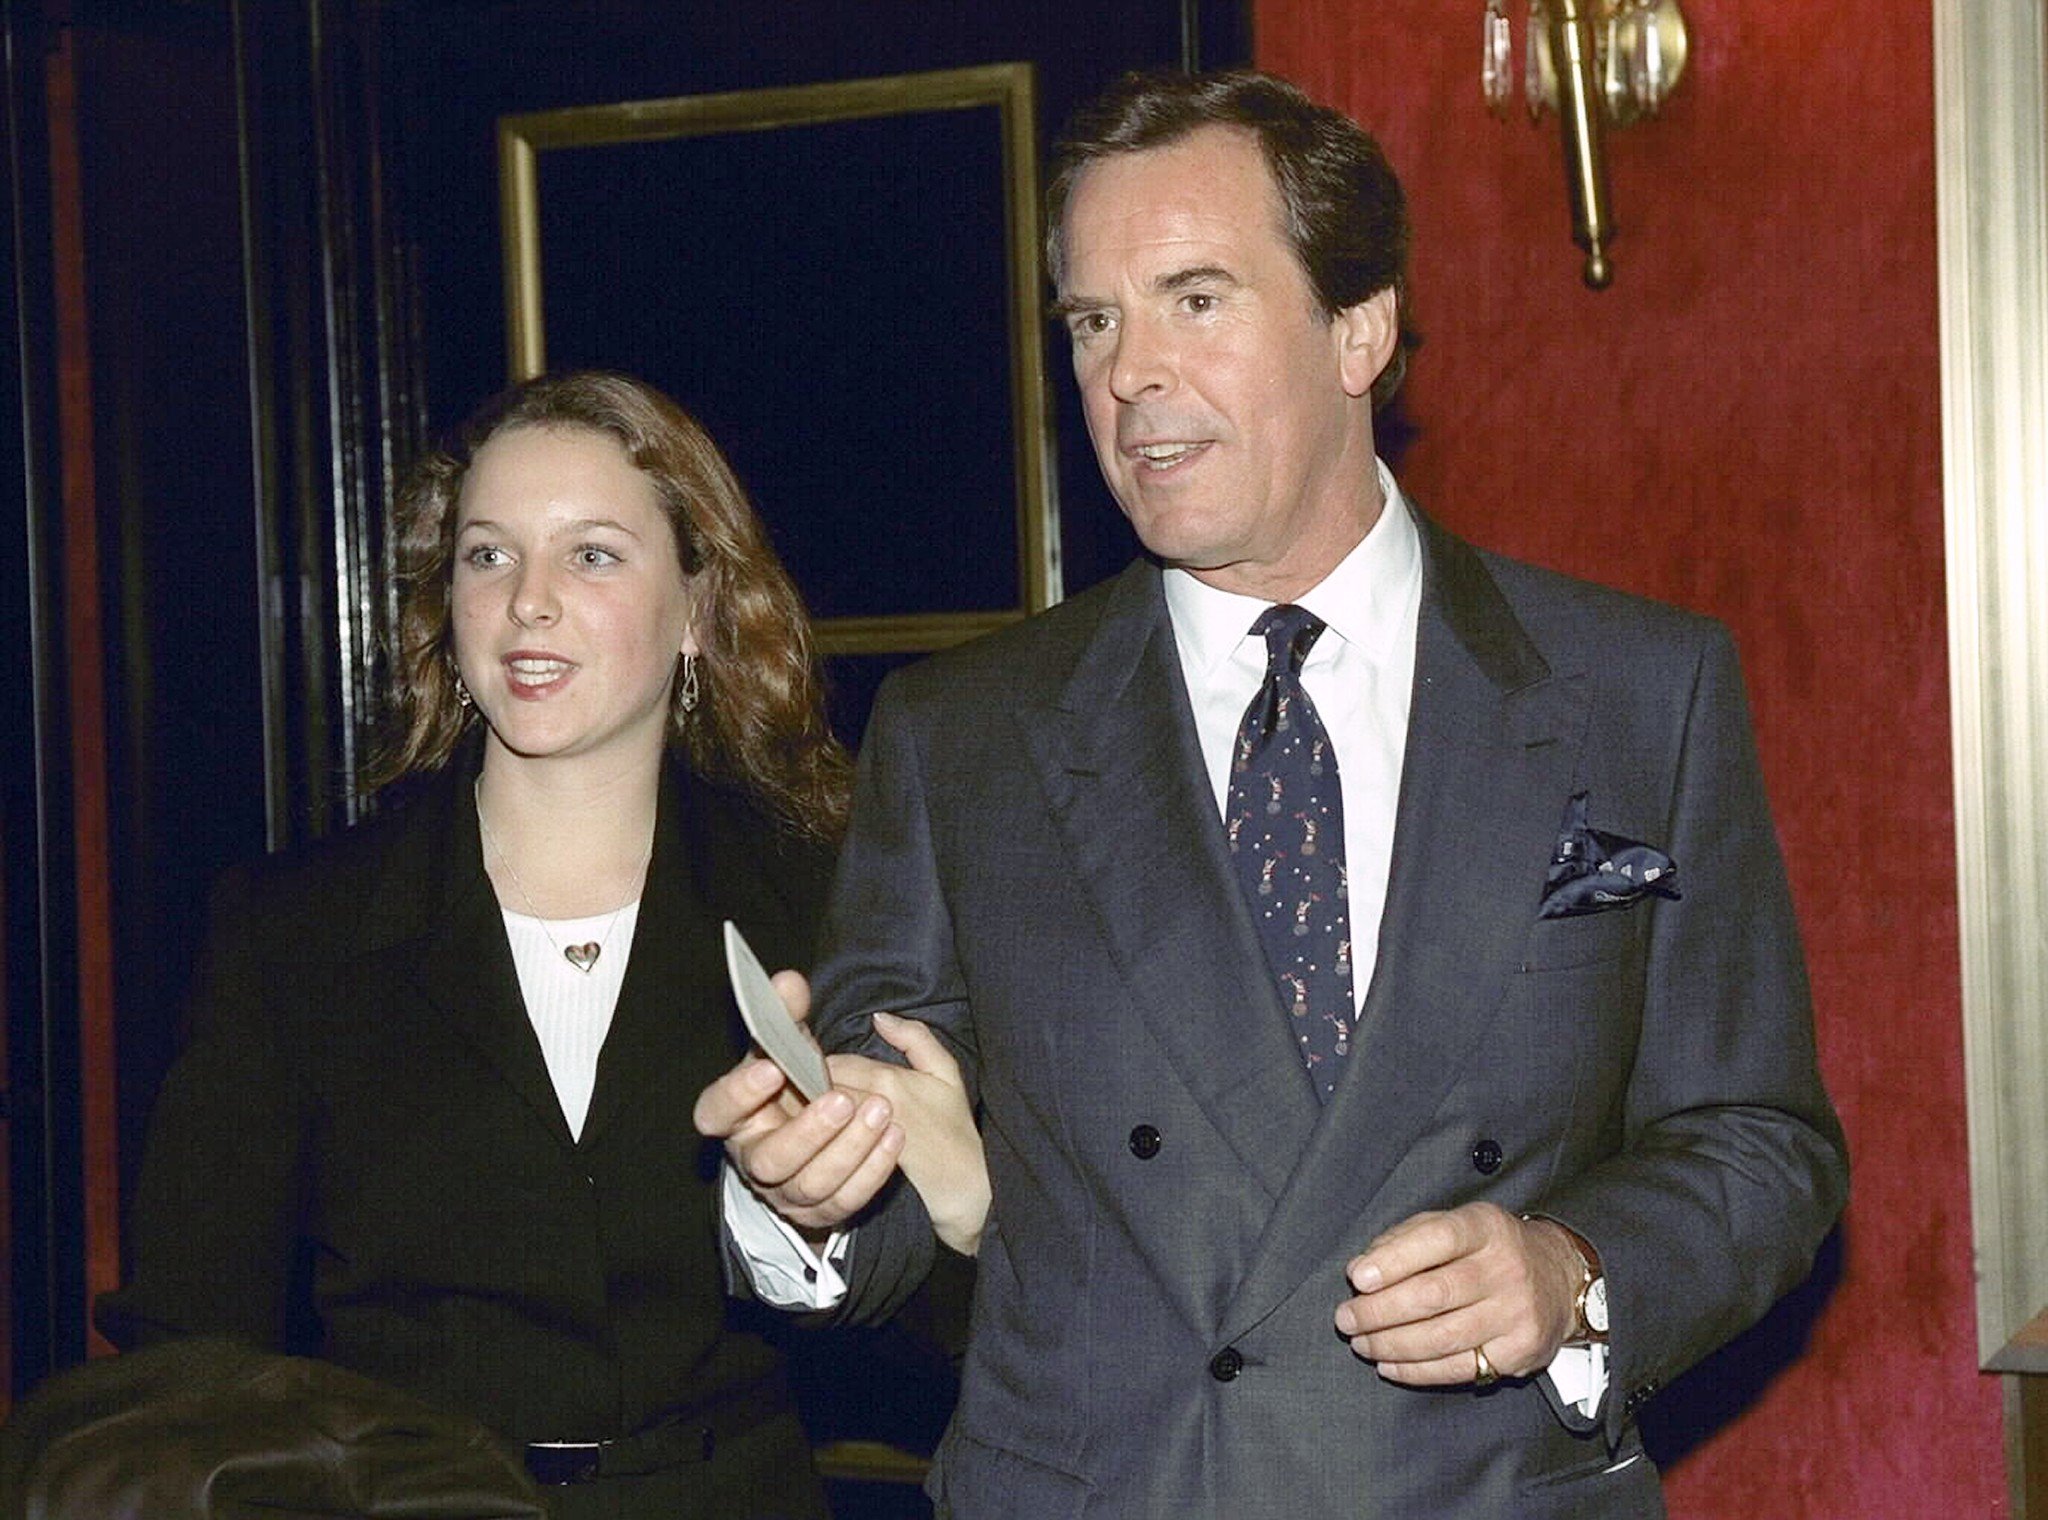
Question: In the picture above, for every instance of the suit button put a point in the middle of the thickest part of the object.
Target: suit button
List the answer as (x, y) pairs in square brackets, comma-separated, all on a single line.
[(1226, 1364), (1486, 1157), (1144, 1142)]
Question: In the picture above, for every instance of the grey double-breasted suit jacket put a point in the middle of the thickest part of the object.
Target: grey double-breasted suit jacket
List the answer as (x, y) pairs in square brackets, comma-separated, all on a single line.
[(1037, 867)]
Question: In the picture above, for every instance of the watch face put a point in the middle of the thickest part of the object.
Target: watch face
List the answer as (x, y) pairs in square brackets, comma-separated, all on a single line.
[(1596, 1306)]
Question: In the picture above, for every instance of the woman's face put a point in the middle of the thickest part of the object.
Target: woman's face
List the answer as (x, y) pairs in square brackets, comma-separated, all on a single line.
[(569, 604)]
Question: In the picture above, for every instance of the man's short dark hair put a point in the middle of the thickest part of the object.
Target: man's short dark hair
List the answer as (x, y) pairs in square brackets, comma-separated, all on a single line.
[(1346, 215)]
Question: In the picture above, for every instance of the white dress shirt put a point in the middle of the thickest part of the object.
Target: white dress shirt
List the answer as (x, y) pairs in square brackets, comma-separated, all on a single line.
[(1359, 674)]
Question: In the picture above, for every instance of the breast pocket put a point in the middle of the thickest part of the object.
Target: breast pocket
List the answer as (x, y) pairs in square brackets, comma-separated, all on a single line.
[(1558, 944)]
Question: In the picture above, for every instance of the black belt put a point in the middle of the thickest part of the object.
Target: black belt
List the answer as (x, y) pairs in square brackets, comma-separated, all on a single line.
[(673, 1442)]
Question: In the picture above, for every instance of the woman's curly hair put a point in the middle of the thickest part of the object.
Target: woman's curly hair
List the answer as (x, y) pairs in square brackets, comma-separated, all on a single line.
[(761, 723)]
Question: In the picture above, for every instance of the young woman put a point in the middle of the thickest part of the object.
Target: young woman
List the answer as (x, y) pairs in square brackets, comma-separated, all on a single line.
[(434, 1123)]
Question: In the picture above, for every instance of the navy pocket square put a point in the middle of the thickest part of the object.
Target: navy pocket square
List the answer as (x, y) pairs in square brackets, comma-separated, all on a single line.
[(1592, 872)]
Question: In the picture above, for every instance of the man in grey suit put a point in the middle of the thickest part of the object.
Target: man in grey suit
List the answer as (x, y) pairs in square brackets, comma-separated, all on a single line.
[(1368, 955)]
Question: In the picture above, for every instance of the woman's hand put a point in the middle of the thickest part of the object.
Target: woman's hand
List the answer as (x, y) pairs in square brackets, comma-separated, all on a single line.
[(942, 1152)]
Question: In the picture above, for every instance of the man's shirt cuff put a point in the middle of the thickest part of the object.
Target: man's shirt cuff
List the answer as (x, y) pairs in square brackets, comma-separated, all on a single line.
[(1579, 1374), (782, 1266)]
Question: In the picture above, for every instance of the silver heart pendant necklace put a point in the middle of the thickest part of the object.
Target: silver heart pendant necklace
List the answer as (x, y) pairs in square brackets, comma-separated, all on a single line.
[(583, 956)]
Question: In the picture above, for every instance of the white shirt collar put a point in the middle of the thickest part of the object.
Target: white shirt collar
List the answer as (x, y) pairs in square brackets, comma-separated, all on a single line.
[(1364, 600)]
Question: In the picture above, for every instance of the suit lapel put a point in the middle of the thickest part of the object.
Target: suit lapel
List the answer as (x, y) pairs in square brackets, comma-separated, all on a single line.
[(676, 1028), (1122, 768), (1493, 737), (677, 964), (463, 965)]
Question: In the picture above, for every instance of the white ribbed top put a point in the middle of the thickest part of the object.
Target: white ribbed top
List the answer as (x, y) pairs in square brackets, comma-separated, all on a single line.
[(571, 1010)]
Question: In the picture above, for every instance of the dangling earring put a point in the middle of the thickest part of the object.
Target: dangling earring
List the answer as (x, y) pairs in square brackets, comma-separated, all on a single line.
[(686, 694), (463, 699)]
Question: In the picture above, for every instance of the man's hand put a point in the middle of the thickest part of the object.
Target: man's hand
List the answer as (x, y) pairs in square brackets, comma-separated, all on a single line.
[(1438, 1285), (816, 1164), (942, 1156)]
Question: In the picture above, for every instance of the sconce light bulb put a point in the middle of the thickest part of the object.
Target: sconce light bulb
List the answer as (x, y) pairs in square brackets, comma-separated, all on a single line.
[(1599, 269)]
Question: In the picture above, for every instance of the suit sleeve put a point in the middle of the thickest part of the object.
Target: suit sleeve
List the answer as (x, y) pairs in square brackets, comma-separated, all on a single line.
[(213, 1231), (1731, 1167), (888, 945)]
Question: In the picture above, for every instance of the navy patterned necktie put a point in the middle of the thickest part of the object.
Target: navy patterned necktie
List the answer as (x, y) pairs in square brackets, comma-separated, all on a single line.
[(1285, 821)]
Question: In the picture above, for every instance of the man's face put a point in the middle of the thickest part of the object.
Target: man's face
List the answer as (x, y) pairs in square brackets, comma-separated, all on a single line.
[(1230, 417)]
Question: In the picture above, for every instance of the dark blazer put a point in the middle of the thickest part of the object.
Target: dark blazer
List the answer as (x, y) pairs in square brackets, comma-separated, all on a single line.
[(1037, 866), (360, 1154)]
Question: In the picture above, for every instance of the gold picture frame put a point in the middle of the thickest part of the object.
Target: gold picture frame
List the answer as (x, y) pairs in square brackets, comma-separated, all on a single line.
[(524, 140)]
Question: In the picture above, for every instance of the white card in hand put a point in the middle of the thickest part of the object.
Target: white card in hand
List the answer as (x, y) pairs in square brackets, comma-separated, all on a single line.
[(768, 1021)]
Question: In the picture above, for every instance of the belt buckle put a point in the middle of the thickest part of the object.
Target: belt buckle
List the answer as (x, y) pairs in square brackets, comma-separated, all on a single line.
[(560, 1463)]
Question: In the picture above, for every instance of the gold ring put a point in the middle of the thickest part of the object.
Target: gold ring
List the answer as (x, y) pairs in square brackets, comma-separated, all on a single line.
[(1482, 1369)]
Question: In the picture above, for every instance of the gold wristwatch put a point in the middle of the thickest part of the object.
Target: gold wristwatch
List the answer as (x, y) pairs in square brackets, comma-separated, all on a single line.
[(1589, 1305), (1589, 1308)]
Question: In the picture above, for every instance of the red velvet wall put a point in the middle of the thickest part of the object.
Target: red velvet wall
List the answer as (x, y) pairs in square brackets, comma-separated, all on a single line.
[(1747, 423)]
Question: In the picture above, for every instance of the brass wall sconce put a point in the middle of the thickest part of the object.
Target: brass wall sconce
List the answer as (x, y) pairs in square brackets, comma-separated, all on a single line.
[(1596, 63)]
